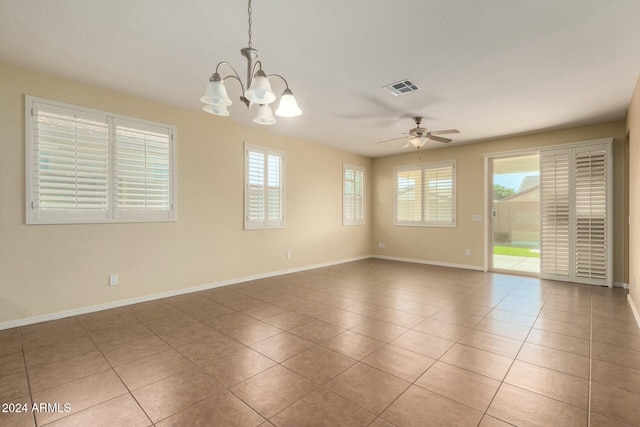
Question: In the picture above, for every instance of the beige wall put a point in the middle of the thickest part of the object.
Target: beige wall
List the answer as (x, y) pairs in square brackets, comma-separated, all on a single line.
[(46, 269), (447, 245), (633, 132)]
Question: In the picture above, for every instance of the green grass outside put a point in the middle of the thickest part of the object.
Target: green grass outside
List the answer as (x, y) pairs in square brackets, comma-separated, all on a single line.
[(507, 250)]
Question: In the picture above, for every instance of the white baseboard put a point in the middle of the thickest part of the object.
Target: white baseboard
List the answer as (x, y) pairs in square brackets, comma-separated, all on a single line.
[(115, 304), (423, 261), (634, 310), (621, 285)]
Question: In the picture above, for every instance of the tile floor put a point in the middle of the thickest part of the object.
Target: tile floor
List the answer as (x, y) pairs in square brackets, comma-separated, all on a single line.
[(370, 343), (516, 263)]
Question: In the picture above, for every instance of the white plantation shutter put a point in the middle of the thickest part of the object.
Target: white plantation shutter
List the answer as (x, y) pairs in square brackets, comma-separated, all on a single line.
[(348, 202), (409, 195), (438, 190), (264, 188), (353, 191), (88, 166), (556, 228), (254, 205), (576, 214), (70, 163), (275, 190), (142, 170), (425, 195), (591, 214)]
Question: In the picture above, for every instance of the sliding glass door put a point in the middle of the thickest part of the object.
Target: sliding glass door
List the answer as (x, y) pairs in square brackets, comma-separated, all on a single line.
[(515, 214), (551, 213)]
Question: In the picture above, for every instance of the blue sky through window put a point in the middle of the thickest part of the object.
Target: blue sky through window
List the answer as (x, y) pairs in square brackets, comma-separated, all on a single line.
[(512, 180)]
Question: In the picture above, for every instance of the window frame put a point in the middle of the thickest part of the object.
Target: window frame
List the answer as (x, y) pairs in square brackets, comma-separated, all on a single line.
[(422, 168), (35, 215), (355, 169), (265, 223)]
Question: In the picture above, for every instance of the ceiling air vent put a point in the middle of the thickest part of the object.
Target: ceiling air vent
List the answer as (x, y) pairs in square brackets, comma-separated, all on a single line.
[(401, 87)]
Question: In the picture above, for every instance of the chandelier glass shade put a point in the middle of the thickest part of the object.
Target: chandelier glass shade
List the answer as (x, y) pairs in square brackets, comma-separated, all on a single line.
[(258, 89), (216, 93), (219, 110), (288, 106), (264, 116)]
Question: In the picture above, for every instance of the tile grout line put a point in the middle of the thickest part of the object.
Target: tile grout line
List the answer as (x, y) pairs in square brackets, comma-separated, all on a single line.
[(323, 386), (442, 308), (83, 377), (494, 307), (521, 285), (484, 317), (283, 409), (195, 366), (590, 362), (228, 389), (413, 383), (516, 356), (115, 373), (26, 374)]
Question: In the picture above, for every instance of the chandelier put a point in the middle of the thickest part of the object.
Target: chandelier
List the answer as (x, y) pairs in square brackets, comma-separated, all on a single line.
[(258, 89)]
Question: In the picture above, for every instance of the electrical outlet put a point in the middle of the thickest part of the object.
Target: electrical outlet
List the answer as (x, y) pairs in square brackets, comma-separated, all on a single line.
[(113, 280), (381, 245), (288, 255), (467, 252)]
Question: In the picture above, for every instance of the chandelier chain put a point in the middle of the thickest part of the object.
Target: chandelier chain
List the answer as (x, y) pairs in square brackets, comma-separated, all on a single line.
[(249, 10)]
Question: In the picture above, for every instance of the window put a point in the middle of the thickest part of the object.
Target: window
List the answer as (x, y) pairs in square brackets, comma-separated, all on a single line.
[(88, 166), (264, 188), (352, 195), (425, 195)]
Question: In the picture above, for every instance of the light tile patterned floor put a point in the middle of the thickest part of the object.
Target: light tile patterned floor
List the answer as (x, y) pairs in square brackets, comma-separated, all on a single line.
[(516, 263), (369, 343)]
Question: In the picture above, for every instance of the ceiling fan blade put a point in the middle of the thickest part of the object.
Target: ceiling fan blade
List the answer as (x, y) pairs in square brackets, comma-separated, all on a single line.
[(443, 132), (389, 140), (439, 138)]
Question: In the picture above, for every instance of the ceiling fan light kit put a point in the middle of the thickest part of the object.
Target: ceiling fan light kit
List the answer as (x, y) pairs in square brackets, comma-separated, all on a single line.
[(419, 136), (258, 89), (416, 141)]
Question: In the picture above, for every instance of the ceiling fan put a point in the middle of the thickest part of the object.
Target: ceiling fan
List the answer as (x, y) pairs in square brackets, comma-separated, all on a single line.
[(419, 136)]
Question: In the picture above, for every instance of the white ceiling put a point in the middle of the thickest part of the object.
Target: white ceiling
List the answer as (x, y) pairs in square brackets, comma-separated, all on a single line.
[(490, 68)]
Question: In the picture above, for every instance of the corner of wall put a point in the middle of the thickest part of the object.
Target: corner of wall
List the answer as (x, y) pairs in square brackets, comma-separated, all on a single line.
[(633, 132)]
